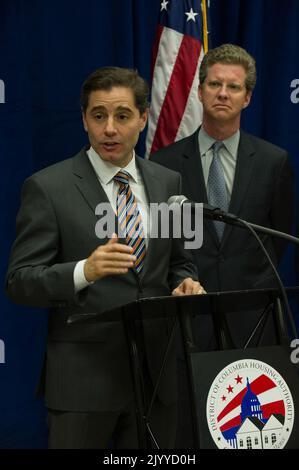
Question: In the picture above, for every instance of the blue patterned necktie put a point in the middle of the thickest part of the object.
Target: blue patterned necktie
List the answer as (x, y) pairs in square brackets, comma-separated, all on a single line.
[(217, 192), (129, 219)]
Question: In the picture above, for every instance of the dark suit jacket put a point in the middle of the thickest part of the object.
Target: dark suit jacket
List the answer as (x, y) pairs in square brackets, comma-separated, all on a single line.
[(262, 194), (87, 366)]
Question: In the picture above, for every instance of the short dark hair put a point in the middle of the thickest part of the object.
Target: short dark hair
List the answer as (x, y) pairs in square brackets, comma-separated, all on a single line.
[(229, 54), (106, 78)]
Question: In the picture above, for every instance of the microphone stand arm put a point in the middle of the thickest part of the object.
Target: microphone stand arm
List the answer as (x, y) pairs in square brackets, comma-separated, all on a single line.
[(231, 219)]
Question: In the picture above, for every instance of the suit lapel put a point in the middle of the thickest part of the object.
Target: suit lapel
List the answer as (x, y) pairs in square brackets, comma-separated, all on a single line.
[(89, 186), (192, 171), (243, 175), (87, 182), (195, 186)]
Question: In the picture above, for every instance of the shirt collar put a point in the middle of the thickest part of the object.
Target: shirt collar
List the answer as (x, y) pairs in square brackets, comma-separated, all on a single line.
[(106, 171), (206, 142)]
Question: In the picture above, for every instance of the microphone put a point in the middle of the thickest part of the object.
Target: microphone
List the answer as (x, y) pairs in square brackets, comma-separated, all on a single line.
[(216, 213), (209, 212)]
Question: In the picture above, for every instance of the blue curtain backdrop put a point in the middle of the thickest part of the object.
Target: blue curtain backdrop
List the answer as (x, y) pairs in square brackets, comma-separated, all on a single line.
[(47, 48)]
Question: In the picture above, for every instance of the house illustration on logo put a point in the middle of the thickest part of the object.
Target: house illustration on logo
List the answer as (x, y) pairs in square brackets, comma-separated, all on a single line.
[(272, 431), (256, 431), (249, 434)]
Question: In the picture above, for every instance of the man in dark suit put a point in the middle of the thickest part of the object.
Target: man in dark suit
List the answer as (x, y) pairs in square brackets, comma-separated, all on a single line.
[(57, 261), (253, 180), (222, 165)]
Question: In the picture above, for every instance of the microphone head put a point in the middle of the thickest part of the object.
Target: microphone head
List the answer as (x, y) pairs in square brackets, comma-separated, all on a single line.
[(178, 199)]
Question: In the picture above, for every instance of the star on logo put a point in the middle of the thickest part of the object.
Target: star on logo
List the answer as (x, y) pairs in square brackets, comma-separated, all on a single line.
[(238, 379), (191, 15), (230, 389), (164, 5)]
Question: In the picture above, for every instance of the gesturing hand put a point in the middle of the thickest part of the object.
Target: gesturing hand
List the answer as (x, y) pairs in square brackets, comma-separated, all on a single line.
[(110, 259)]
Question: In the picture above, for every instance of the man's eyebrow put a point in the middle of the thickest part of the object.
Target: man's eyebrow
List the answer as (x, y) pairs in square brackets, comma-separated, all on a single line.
[(124, 108), (97, 108), (103, 108)]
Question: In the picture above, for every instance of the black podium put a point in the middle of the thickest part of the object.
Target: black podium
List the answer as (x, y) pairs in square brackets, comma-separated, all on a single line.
[(252, 373)]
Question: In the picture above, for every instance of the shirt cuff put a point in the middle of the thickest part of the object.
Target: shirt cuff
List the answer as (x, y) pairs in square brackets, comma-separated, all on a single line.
[(80, 281)]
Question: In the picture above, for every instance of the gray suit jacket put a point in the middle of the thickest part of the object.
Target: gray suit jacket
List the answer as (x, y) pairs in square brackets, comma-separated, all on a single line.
[(87, 366)]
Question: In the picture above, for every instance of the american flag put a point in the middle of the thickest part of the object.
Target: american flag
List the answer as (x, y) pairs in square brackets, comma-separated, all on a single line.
[(175, 110)]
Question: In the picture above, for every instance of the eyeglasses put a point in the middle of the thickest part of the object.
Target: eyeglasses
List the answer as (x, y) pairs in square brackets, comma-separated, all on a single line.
[(231, 87)]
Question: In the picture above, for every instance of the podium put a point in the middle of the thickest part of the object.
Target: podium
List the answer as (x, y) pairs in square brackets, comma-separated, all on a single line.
[(253, 374)]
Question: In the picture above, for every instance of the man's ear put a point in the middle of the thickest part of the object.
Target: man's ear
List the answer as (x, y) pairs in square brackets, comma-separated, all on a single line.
[(143, 120), (247, 99), (199, 92), (84, 120)]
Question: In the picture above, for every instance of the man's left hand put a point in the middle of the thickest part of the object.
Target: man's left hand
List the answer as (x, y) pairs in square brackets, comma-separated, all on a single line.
[(189, 287)]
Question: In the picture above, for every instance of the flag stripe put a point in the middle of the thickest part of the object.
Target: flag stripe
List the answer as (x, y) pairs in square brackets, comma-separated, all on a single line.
[(175, 110), (156, 47), (174, 104), (164, 64), (193, 111), (231, 423)]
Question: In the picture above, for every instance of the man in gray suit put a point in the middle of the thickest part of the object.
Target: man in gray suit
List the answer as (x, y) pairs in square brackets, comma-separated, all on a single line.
[(57, 261)]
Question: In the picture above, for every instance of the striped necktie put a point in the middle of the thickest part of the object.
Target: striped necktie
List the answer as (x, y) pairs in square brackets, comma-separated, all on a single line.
[(217, 192), (129, 219)]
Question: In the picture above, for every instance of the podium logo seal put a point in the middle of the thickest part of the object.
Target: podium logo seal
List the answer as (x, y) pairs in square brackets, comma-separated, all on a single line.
[(250, 406)]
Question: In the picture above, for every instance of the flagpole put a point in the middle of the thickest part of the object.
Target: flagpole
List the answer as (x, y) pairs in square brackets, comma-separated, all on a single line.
[(205, 26)]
